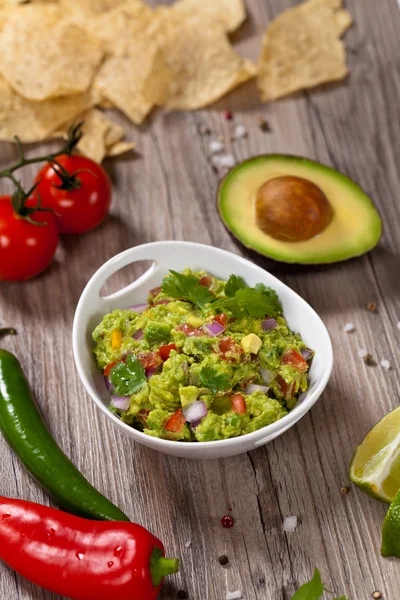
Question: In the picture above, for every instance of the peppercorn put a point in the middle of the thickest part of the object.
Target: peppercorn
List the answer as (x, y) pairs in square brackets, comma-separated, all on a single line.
[(376, 595), (223, 560), (264, 126), (228, 115), (371, 306), (344, 490), (368, 359)]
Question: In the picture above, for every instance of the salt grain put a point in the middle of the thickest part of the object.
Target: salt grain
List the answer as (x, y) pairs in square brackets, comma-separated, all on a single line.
[(188, 544), (385, 364), (216, 146), (289, 524), (60, 254), (398, 325), (224, 161), (362, 352), (240, 131), (348, 328), (234, 595)]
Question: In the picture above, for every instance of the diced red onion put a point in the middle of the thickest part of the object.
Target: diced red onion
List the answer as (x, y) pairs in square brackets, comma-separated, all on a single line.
[(307, 353), (195, 424), (161, 302), (108, 384), (213, 329), (195, 411), (267, 376), (138, 335), (151, 370), (120, 402), (138, 308), (253, 387), (268, 324)]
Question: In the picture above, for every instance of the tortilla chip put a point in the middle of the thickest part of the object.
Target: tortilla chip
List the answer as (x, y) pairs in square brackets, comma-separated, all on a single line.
[(101, 136), (82, 10), (203, 65), (229, 13), (301, 49), (36, 121), (122, 24), (134, 80), (44, 57), (120, 148)]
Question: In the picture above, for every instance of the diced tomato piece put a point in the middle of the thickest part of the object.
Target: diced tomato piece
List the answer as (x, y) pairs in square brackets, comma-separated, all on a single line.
[(229, 349), (165, 351), (205, 281), (176, 422), (238, 404), (221, 319), (149, 360), (287, 389), (189, 330), (154, 292), (294, 358), (108, 368), (143, 415)]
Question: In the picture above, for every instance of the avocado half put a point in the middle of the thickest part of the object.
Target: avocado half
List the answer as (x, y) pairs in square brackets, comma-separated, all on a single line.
[(355, 226)]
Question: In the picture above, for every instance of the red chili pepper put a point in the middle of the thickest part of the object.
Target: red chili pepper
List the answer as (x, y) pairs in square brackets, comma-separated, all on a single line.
[(79, 558)]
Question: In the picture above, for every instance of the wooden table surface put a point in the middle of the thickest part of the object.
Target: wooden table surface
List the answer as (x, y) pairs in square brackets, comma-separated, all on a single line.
[(168, 192)]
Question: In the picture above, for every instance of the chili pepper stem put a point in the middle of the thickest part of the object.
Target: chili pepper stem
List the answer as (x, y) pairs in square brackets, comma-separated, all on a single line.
[(160, 566)]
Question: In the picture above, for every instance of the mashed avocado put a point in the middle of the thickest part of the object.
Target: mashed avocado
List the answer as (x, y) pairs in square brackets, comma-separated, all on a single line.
[(207, 360)]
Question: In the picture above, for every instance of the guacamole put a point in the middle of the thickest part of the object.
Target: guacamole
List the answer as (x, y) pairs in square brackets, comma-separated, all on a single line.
[(204, 360)]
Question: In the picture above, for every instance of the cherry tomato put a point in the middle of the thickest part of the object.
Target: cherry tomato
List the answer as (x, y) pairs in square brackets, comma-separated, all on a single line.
[(294, 358), (229, 349), (287, 389), (143, 415), (107, 368), (154, 292), (149, 361), (238, 404), (176, 422), (83, 200), (205, 281), (25, 249), (165, 351), (221, 319), (189, 330)]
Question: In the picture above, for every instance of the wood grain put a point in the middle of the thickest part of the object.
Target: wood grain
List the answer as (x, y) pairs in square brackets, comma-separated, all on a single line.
[(168, 192)]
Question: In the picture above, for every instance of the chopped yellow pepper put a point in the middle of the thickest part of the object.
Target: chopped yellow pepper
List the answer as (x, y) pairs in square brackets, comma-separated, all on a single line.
[(251, 343), (116, 339)]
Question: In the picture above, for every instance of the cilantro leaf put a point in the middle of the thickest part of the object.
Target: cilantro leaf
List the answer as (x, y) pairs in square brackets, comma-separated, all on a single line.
[(234, 284), (312, 590), (186, 287), (214, 381), (249, 302), (128, 377)]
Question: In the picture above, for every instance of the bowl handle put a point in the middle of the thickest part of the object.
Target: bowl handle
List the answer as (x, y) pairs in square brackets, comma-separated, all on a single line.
[(118, 262)]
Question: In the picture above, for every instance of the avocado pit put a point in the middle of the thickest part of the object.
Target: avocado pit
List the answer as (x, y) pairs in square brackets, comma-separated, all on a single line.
[(292, 209)]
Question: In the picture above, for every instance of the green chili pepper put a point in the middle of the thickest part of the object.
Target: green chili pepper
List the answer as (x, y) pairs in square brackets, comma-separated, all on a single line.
[(27, 434)]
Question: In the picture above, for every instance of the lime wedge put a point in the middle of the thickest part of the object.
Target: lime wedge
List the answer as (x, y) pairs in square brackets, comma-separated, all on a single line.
[(375, 467), (391, 530)]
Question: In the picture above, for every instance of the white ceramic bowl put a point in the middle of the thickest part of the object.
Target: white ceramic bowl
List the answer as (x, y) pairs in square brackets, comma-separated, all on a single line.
[(179, 255)]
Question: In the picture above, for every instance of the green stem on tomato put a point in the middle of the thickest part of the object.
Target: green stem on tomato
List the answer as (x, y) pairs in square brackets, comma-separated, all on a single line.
[(20, 197), (7, 331)]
